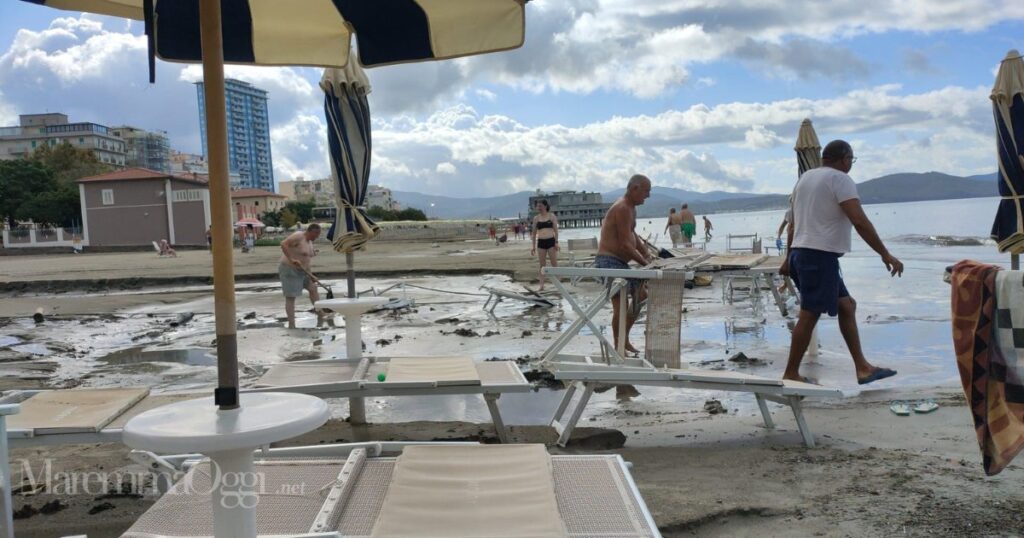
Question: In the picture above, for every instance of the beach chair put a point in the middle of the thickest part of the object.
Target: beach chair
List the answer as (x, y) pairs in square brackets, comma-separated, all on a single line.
[(497, 295), (399, 376), (661, 366), (450, 489), (743, 243), (581, 254)]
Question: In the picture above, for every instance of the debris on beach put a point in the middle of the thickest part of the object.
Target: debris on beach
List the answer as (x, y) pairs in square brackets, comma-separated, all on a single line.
[(462, 331), (715, 407), (382, 342), (182, 319), (25, 512), (102, 507), (526, 333), (52, 507), (743, 360), (250, 315)]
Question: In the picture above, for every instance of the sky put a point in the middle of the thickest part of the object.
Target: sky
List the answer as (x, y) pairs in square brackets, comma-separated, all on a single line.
[(696, 95)]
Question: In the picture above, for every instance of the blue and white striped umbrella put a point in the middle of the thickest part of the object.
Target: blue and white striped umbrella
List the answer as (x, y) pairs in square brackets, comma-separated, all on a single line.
[(1008, 109), (319, 32), (808, 149), (349, 143)]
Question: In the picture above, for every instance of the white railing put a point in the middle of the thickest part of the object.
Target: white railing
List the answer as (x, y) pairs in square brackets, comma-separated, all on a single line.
[(40, 237)]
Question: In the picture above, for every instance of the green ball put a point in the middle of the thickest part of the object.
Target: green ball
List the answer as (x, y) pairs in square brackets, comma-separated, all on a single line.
[(381, 376)]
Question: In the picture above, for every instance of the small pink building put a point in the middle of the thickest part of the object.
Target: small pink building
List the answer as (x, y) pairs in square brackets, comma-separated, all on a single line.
[(136, 206)]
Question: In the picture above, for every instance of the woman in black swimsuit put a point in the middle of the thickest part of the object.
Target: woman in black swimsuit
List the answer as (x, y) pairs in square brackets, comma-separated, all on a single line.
[(545, 237)]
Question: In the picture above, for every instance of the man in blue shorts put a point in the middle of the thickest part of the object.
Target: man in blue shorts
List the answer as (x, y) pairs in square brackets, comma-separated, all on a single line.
[(825, 209)]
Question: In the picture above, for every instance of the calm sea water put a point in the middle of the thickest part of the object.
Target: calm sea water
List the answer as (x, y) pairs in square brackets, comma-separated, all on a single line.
[(905, 322)]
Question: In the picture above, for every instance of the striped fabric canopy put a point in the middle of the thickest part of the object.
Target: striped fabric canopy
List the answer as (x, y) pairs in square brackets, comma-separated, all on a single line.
[(318, 32), (1008, 109), (349, 143), (808, 149)]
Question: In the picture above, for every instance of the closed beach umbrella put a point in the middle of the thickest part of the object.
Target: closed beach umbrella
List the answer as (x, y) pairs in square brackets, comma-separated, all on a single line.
[(349, 144), (808, 149), (1008, 109), (315, 33)]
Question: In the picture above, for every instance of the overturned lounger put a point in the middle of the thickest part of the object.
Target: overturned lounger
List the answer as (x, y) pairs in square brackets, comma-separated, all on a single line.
[(346, 488), (583, 374), (419, 376), (497, 295)]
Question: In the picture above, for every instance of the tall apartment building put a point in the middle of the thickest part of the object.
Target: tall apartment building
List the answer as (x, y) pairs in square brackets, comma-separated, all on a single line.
[(35, 130), (145, 149), (248, 133)]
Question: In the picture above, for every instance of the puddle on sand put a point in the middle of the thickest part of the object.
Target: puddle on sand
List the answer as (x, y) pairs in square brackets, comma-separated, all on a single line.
[(33, 349), (138, 355), (9, 341)]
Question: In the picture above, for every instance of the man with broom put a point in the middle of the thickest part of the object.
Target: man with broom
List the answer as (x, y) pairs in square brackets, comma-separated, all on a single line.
[(294, 271)]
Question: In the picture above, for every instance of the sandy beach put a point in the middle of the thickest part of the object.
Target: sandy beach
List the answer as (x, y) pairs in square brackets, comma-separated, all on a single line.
[(872, 474)]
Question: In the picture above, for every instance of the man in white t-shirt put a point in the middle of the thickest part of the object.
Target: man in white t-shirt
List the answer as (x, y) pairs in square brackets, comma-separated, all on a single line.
[(825, 210)]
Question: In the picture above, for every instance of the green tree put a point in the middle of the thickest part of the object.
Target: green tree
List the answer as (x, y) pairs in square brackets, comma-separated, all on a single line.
[(271, 218), (411, 213), (288, 217), (302, 210), (379, 213), (21, 181), (68, 163), (57, 208)]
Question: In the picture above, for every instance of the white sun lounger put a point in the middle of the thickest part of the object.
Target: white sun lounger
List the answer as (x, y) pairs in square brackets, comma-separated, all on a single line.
[(497, 295), (71, 416), (346, 488), (585, 373), (358, 378)]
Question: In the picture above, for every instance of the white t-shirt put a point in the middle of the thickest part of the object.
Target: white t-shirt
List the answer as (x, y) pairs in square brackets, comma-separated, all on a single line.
[(820, 223)]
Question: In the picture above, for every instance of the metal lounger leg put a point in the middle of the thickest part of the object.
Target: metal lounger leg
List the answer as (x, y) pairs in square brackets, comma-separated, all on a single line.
[(570, 391), (577, 412), (583, 318), (356, 411), (586, 315), (798, 412), (765, 413), (779, 301), (499, 424)]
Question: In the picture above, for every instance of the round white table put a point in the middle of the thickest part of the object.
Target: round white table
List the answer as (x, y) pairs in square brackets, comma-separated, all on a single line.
[(229, 438), (352, 310)]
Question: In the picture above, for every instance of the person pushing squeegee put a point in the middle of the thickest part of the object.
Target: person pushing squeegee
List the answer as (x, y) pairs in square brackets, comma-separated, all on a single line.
[(297, 254)]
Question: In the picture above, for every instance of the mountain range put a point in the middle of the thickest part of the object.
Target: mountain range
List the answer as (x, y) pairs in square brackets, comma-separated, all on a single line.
[(905, 187)]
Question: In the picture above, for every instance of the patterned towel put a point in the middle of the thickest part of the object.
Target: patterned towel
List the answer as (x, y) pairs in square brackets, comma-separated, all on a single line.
[(988, 335)]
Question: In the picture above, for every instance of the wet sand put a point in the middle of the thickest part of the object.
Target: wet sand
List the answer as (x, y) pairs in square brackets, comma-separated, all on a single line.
[(872, 474)]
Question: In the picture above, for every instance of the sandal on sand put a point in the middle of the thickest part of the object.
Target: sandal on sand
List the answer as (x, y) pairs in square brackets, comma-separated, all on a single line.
[(900, 408), (879, 373), (926, 406)]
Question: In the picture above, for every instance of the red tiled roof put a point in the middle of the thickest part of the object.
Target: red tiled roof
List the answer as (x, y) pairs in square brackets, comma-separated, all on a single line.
[(132, 174), (255, 193)]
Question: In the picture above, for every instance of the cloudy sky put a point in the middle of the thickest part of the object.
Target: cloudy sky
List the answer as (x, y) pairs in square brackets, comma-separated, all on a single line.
[(698, 95)]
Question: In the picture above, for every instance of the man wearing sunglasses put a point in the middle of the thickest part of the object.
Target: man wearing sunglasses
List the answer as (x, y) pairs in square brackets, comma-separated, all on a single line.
[(826, 208)]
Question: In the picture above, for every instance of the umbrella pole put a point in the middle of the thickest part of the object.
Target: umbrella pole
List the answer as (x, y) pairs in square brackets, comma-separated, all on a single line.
[(351, 274), (226, 394), (1014, 262)]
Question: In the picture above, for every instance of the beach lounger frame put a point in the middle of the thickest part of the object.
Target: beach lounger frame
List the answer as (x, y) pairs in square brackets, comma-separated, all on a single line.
[(363, 384), (583, 373), (588, 489), (497, 295)]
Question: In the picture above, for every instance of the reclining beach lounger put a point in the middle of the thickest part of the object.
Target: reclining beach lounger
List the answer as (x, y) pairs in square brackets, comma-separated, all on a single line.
[(403, 376), (662, 365), (497, 295), (452, 490), (63, 417)]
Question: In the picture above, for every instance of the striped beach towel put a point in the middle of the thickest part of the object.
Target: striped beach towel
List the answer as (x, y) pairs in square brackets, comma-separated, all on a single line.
[(988, 335)]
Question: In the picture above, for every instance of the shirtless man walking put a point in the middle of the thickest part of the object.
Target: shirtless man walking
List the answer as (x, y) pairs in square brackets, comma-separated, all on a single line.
[(293, 270), (673, 226), (688, 224)]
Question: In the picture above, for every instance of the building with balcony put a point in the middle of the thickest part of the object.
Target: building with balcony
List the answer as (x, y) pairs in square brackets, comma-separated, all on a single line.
[(378, 196), (145, 149), (318, 191), (248, 133), (253, 203), (573, 209), (36, 130)]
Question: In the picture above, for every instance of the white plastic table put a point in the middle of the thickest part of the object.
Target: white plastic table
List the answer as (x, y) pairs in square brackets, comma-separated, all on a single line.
[(229, 438), (352, 310)]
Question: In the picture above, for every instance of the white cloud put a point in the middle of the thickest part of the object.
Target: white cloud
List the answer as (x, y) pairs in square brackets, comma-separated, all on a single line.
[(486, 95), (446, 168)]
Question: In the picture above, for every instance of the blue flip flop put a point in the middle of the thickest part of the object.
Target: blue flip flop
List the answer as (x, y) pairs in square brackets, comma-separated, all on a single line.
[(879, 373)]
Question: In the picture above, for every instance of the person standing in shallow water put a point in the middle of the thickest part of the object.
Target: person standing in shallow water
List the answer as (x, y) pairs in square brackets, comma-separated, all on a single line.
[(688, 224), (826, 208), (673, 226), (545, 237)]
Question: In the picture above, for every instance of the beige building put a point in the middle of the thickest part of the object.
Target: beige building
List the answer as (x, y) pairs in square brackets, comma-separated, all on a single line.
[(319, 191), (136, 206), (253, 203), (145, 149), (378, 196), (36, 130)]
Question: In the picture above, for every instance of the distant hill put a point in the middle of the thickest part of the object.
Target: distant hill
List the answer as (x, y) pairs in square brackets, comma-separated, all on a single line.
[(906, 187), (984, 177)]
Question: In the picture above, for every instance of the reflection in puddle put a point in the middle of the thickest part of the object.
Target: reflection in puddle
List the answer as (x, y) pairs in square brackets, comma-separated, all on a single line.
[(137, 355)]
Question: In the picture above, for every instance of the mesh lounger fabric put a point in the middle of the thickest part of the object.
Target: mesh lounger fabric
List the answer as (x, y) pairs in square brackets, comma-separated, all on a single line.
[(458, 370), (74, 411), (472, 491), (664, 317)]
